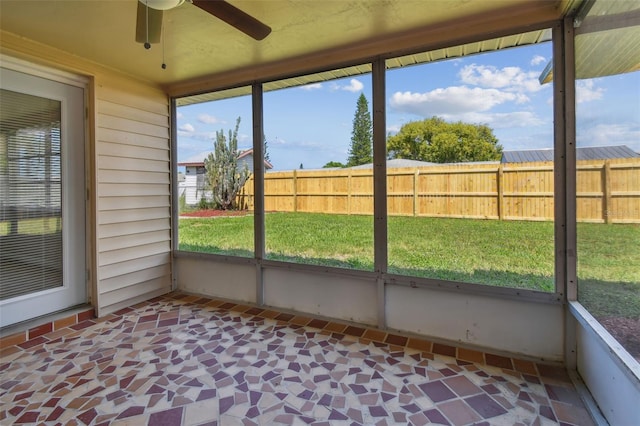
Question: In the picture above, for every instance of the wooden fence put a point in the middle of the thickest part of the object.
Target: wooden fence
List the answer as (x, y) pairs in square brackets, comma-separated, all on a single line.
[(607, 191)]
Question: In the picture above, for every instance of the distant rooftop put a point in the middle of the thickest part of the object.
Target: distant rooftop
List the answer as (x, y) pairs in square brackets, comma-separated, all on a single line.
[(198, 159), (586, 153), (396, 163)]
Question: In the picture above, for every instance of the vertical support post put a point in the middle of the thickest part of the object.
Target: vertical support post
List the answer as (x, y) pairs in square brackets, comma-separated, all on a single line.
[(258, 187), (565, 179), (500, 185), (175, 204), (571, 163), (606, 189), (380, 184)]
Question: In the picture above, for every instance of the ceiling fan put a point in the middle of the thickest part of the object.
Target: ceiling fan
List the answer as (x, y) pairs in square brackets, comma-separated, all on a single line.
[(149, 19)]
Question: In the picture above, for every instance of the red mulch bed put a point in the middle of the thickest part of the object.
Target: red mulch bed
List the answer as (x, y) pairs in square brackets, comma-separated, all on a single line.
[(215, 213)]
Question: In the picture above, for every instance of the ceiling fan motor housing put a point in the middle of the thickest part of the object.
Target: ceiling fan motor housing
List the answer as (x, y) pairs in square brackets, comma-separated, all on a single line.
[(149, 19), (162, 4)]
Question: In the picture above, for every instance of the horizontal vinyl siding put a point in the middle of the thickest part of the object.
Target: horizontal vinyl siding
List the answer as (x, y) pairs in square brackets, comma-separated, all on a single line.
[(123, 216), (114, 149), (119, 203), (132, 240), (132, 189), (135, 251), (135, 141), (123, 162), (144, 290), (133, 278), (134, 227), (132, 266), (133, 194)]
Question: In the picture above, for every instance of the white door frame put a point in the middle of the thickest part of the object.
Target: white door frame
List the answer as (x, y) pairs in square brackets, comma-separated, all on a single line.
[(70, 90)]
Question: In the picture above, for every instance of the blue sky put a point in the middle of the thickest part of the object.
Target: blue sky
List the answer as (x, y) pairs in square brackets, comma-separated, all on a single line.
[(311, 125)]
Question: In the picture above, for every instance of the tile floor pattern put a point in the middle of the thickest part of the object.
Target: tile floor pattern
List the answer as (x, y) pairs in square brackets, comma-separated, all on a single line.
[(181, 360)]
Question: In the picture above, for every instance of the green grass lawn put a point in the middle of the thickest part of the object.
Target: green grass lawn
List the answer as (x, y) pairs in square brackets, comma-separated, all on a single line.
[(609, 269), (37, 226), (501, 253)]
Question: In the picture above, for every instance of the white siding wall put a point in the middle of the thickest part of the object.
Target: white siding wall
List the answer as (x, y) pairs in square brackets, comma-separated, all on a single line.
[(132, 193), (190, 188), (246, 162), (128, 177)]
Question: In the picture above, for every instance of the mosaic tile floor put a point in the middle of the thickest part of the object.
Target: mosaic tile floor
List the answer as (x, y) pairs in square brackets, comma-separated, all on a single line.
[(181, 360)]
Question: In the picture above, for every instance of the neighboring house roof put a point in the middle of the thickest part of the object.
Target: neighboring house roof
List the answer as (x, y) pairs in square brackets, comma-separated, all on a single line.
[(198, 160), (396, 163), (585, 153)]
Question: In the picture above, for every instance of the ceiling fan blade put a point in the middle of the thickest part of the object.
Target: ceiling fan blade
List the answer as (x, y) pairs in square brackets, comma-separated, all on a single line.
[(235, 17), (155, 24)]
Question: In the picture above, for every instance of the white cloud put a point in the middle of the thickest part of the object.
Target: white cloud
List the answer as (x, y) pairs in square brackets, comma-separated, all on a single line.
[(179, 115), (606, 134), (512, 79), (187, 128), (301, 145), (393, 129), (461, 103), (243, 138), (587, 91), (537, 60), (209, 119), (277, 141), (312, 86), (310, 145), (190, 149), (453, 100), (353, 86), (500, 120)]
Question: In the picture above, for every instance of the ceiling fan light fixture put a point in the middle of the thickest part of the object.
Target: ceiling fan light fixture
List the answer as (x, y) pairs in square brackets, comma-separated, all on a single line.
[(162, 4), (149, 18)]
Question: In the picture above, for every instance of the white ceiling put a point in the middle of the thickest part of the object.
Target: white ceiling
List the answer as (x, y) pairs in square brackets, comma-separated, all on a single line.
[(306, 33)]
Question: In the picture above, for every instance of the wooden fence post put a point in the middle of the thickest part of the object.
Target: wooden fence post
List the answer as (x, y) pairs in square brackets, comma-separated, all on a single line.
[(606, 190), (295, 190), (500, 185), (416, 176), (349, 192), (443, 188)]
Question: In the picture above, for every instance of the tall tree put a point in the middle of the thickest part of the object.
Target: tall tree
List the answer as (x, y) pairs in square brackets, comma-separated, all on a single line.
[(222, 175), (438, 141), (333, 164), (361, 149)]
